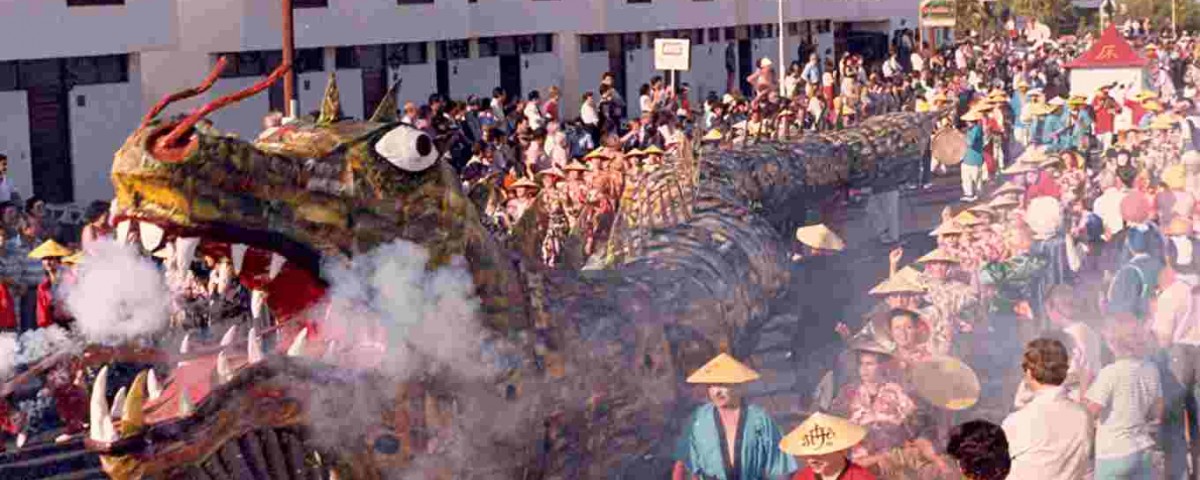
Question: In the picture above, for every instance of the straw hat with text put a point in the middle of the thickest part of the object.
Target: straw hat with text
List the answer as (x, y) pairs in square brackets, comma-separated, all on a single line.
[(50, 249), (821, 434), (820, 237), (723, 370)]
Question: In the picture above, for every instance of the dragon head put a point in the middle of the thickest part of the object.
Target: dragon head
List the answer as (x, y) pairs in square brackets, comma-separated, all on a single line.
[(278, 205)]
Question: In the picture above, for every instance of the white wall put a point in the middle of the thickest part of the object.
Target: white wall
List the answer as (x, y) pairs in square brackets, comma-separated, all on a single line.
[(48, 28), (243, 118), (591, 66), (419, 82), (14, 139), (110, 114), (639, 69), (708, 71), (475, 76), (350, 84), (538, 72), (1087, 81)]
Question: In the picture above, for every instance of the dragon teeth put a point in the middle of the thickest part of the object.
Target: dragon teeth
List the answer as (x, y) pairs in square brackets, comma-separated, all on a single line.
[(277, 262), (237, 255), (224, 372), (152, 386), (227, 339), (151, 235), (257, 300), (186, 407), (184, 345), (118, 405), (254, 351), (297, 347), (100, 426), (185, 251), (123, 232)]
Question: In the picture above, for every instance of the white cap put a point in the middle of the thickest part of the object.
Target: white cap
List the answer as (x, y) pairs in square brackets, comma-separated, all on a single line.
[(766, 62)]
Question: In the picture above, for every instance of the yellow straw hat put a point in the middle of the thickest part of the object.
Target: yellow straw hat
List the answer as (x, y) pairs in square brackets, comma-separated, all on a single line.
[(1033, 156), (1174, 176), (967, 219), (821, 237), (1163, 122), (551, 172), (821, 434), (634, 153), (997, 96), (576, 167), (652, 150), (937, 255), (1152, 105), (1008, 188), (1018, 167), (713, 135), (1077, 100), (974, 114), (947, 228), (946, 382), (524, 183), (723, 369), (1003, 202), (1144, 95), (49, 249), (897, 284), (922, 106), (599, 152)]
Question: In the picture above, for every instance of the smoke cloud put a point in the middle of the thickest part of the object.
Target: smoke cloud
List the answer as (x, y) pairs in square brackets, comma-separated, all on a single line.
[(118, 295)]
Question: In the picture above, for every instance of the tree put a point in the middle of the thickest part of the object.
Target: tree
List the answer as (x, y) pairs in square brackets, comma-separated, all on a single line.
[(1159, 12), (1056, 14)]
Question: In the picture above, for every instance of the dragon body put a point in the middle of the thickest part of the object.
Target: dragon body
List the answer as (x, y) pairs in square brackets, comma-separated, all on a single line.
[(697, 254)]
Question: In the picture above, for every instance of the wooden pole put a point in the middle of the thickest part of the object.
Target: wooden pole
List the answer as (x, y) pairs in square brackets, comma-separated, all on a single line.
[(289, 50)]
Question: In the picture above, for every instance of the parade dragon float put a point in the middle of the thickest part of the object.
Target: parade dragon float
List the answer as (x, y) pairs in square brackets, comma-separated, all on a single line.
[(699, 249)]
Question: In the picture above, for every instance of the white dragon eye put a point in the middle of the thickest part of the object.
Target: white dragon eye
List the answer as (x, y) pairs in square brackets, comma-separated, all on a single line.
[(408, 148)]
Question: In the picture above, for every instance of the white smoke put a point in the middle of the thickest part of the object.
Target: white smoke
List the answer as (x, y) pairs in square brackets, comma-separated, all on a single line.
[(8, 354), (118, 295), (42, 342)]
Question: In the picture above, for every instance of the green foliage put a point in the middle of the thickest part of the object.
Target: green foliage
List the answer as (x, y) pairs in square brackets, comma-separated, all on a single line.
[(1159, 12)]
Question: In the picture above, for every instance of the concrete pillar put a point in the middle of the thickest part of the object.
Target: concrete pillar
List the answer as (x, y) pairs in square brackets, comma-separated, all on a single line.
[(567, 46)]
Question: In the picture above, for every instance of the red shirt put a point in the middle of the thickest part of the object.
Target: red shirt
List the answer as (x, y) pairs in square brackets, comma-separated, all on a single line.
[(1044, 187), (48, 311), (8, 314), (1138, 111), (1103, 116), (852, 472)]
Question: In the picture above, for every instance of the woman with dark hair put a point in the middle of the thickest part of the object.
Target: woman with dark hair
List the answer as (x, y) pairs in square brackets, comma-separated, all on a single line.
[(95, 225), (981, 449)]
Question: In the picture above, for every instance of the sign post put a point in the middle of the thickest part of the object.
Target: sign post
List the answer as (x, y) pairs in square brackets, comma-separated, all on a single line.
[(672, 55), (936, 14)]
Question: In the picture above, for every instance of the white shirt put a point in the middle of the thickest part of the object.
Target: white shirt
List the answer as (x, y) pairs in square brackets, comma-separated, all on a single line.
[(918, 62), (1129, 390), (534, 115), (1049, 439), (587, 113), (1175, 315), (1108, 207), (1085, 354)]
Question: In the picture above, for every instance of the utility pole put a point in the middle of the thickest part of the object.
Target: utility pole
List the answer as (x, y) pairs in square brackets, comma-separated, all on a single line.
[(782, 61), (1173, 32), (290, 104)]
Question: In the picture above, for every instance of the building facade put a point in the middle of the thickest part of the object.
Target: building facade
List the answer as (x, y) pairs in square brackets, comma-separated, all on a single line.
[(77, 75)]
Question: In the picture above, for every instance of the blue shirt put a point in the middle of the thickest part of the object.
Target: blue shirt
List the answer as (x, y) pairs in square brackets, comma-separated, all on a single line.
[(974, 154), (701, 448)]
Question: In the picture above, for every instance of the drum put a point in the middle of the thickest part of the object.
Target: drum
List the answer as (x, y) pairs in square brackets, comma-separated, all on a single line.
[(948, 146)]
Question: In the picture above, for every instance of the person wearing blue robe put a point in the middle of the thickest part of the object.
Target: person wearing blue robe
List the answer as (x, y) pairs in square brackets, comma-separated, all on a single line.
[(1080, 125), (703, 450), (1051, 123), (1017, 104)]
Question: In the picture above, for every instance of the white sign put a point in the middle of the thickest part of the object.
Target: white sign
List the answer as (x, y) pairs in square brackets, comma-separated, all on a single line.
[(672, 54)]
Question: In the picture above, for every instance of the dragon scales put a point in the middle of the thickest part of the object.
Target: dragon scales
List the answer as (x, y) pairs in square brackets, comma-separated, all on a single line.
[(698, 253)]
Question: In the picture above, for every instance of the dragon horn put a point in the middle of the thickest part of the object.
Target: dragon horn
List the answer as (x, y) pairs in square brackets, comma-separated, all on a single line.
[(208, 82), (331, 104), (131, 417), (385, 112), (172, 139)]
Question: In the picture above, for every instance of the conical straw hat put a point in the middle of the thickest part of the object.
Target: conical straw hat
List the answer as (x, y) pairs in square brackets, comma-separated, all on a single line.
[(653, 150), (983, 209), (896, 284), (822, 434), (74, 258), (49, 249), (946, 382), (1003, 202), (1008, 188), (947, 228), (524, 182), (912, 276), (967, 219), (634, 153), (1019, 167), (937, 255), (712, 135), (820, 236), (723, 369), (598, 152)]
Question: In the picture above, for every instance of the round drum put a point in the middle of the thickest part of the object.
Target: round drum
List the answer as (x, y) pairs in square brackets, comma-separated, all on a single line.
[(948, 146)]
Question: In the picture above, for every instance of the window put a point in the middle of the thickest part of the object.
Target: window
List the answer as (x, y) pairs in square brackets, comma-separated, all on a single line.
[(306, 60), (256, 63), (714, 34), (101, 69), (453, 49), (309, 4), (413, 2), (368, 57), (824, 26), (592, 43), (632, 41), (698, 36), (93, 3), (488, 47), (414, 53), (637, 1), (9, 76), (730, 34), (540, 43), (793, 29)]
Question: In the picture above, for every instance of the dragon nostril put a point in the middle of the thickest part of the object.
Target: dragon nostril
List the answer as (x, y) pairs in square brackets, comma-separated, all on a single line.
[(424, 145)]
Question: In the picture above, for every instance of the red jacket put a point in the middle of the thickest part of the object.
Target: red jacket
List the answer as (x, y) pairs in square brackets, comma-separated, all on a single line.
[(49, 311), (8, 312), (852, 472), (1103, 115)]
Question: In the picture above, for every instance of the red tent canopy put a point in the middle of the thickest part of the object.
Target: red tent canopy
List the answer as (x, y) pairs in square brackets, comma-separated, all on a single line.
[(1110, 51)]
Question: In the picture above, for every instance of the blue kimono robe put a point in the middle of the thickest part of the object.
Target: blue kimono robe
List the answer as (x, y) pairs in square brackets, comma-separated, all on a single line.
[(1017, 104), (1081, 126), (1050, 125), (702, 449), (974, 154)]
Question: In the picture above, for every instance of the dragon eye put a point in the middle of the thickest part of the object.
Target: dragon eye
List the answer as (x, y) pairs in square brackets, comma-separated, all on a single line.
[(408, 148)]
